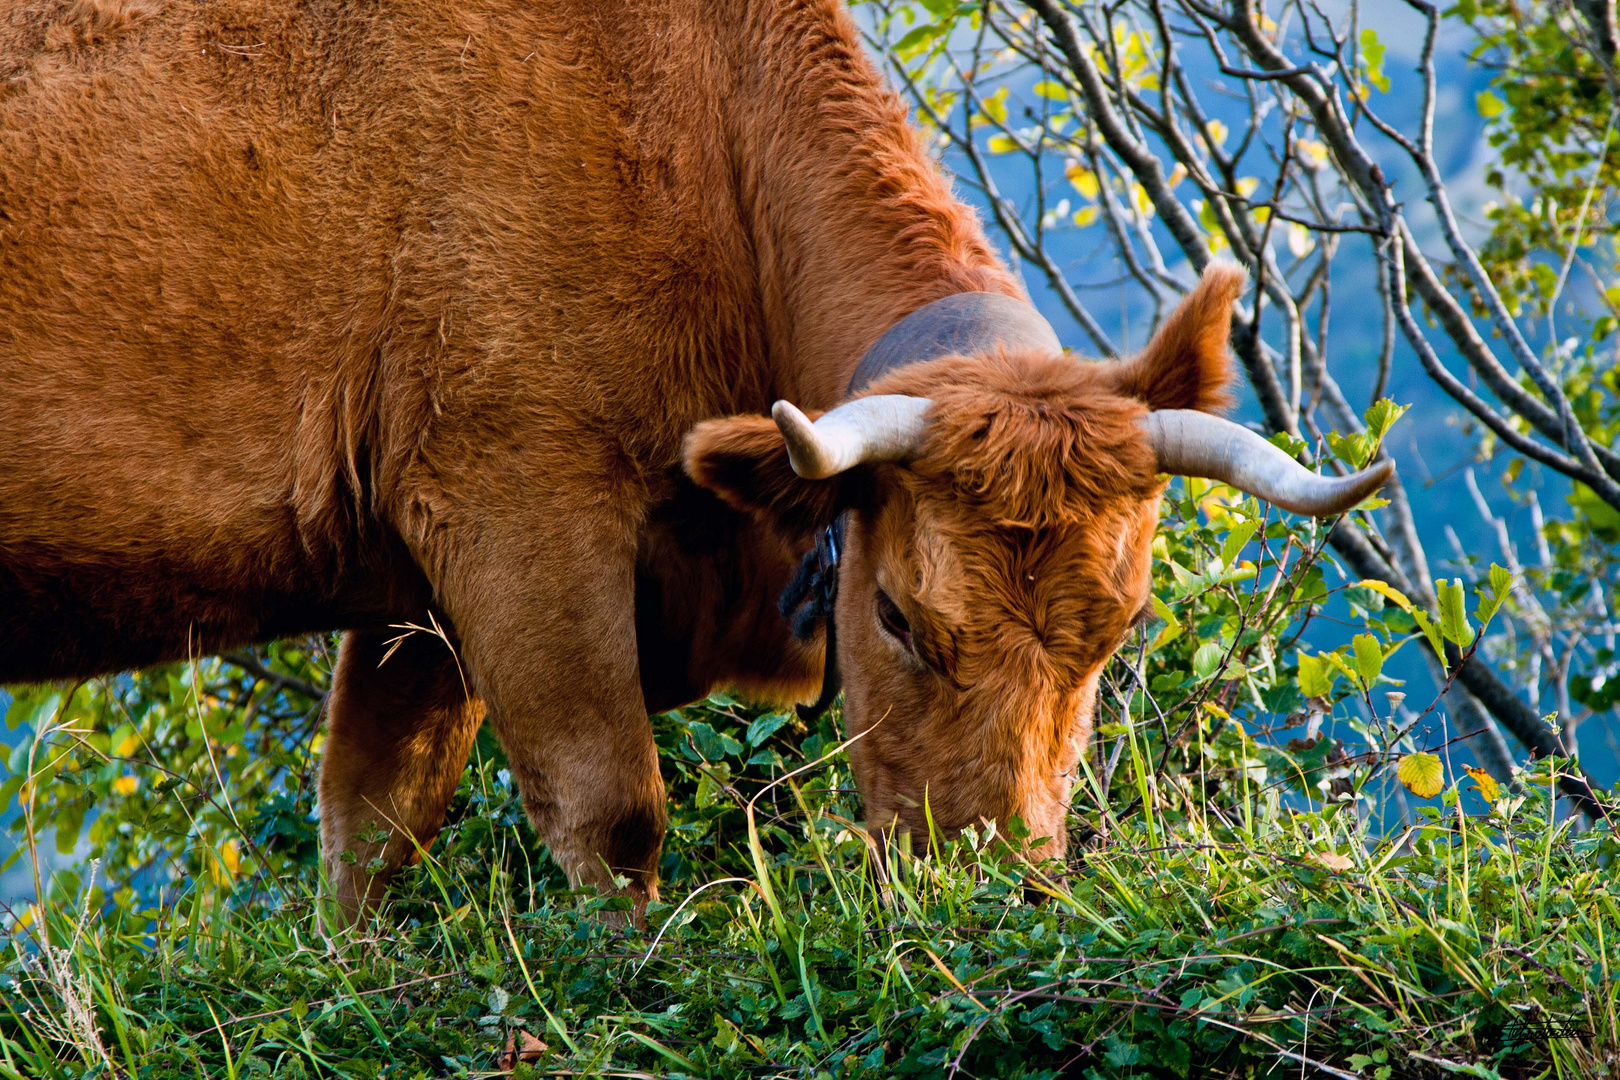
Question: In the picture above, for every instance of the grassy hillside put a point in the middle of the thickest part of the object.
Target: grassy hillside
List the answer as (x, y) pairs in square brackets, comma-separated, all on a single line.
[(1196, 940), (1273, 865)]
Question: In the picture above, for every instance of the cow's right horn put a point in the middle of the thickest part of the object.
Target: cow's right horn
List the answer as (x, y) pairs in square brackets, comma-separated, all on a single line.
[(1191, 443), (883, 427)]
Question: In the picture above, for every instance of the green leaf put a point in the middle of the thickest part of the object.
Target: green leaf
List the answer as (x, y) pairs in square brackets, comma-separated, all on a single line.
[(1453, 616), (1372, 53), (1336, 660), (919, 39), (1369, 658), (1355, 449), (1172, 626), (1381, 416), (1315, 676), (1494, 595), (1208, 658), (764, 726), (1488, 104), (1288, 444), (1430, 631), (713, 745), (1240, 535), (1422, 774), (1603, 518)]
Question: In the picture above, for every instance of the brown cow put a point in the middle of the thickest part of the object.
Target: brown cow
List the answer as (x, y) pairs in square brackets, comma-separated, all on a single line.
[(335, 314)]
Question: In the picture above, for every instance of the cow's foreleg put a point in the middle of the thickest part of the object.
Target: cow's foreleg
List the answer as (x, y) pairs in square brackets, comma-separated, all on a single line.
[(398, 735), (547, 623)]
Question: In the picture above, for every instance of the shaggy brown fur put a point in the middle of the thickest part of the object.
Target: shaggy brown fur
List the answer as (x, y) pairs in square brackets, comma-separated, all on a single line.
[(331, 315)]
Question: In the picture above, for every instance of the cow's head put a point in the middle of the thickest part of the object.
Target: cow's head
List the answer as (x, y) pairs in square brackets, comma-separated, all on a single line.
[(1001, 510)]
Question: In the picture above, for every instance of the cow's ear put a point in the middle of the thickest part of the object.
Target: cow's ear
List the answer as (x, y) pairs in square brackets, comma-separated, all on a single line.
[(743, 460), (1188, 365)]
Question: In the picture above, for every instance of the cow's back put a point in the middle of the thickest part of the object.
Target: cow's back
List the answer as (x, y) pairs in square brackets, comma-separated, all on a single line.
[(251, 253)]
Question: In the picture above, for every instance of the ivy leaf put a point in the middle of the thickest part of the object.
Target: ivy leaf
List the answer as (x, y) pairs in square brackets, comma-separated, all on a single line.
[(1422, 774)]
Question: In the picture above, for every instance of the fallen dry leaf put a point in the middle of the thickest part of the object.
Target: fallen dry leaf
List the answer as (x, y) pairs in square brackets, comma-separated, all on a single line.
[(1333, 860), (521, 1046)]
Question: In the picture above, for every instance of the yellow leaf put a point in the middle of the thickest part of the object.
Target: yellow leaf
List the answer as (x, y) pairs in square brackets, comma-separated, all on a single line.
[(1083, 179), (1217, 132), (1300, 240), (1002, 144), (1332, 860), (231, 856), (1086, 215), (125, 785), (130, 744), (1387, 591), (1246, 185), (1488, 787), (1215, 710), (1422, 774), (995, 105), (1313, 153)]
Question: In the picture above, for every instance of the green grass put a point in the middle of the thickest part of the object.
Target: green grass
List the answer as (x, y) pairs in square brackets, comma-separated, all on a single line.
[(1235, 904), (1220, 933)]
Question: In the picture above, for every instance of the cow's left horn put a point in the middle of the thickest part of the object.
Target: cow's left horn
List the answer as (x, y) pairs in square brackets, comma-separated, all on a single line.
[(1191, 443), (883, 427)]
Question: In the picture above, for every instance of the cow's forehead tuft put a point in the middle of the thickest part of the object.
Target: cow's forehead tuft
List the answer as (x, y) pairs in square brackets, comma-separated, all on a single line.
[(1033, 442)]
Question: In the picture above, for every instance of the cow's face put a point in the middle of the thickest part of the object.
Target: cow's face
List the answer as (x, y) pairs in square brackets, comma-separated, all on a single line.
[(997, 534), (982, 588)]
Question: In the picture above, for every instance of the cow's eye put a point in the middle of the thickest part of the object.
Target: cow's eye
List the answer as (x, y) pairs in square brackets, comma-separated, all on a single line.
[(893, 623)]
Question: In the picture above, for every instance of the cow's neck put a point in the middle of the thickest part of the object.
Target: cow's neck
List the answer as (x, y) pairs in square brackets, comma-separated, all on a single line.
[(852, 225)]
